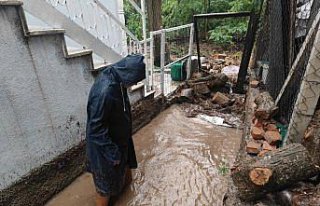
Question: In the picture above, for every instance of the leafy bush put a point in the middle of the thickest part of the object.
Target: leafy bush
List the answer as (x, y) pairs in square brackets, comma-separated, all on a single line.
[(179, 12), (229, 33)]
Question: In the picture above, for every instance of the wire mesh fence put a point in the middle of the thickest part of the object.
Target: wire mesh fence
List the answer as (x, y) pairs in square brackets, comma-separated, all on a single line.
[(292, 55)]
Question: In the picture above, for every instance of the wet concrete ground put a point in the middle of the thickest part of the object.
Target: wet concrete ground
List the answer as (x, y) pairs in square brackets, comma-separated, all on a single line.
[(182, 161)]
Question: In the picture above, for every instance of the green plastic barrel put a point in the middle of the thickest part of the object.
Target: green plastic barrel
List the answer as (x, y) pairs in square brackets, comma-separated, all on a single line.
[(178, 72)]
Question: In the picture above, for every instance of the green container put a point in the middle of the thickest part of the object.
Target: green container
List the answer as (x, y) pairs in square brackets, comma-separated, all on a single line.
[(178, 72)]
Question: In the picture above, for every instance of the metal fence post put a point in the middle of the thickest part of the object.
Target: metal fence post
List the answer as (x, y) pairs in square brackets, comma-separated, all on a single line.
[(144, 33), (152, 58), (162, 58), (190, 52)]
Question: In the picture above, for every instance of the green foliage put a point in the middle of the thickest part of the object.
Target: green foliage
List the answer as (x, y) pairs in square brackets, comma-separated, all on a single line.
[(229, 32), (241, 5), (133, 19), (223, 169), (179, 12)]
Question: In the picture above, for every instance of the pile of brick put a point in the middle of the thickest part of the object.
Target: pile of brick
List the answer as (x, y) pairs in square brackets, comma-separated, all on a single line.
[(265, 137), (264, 134)]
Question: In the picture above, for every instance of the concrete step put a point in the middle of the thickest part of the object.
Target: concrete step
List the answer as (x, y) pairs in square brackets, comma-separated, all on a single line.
[(78, 53), (35, 31), (10, 3)]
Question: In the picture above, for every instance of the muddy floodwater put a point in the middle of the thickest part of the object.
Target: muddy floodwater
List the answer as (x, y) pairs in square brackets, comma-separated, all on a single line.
[(182, 161)]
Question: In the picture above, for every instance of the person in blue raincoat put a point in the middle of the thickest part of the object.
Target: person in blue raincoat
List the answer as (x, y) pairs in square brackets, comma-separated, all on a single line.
[(109, 145)]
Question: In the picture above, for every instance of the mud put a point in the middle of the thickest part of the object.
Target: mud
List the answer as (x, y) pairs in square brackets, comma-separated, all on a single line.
[(182, 161)]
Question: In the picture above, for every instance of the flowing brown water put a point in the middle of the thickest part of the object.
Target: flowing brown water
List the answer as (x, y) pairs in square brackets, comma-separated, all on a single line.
[(182, 161)]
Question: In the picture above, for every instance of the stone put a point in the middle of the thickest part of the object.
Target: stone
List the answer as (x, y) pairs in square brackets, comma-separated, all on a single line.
[(202, 88), (187, 93), (220, 99)]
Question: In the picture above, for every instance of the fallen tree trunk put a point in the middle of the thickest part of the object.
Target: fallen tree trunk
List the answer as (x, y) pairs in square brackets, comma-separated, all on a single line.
[(273, 172), (214, 79), (311, 141)]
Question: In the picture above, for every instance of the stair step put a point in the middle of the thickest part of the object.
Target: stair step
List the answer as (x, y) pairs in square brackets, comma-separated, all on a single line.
[(100, 65), (78, 53), (44, 31), (10, 3)]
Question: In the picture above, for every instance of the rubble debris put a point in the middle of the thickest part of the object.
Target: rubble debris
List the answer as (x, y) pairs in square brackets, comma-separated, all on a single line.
[(289, 164), (254, 84), (266, 107), (209, 94), (206, 66), (187, 93), (213, 120), (260, 176), (201, 88), (220, 99), (232, 72)]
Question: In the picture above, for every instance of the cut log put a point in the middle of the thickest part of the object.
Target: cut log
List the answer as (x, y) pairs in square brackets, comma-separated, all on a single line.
[(266, 107), (312, 143), (213, 80), (273, 172), (260, 176)]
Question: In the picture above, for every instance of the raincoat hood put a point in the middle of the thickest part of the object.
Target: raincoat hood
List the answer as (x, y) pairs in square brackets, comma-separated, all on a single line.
[(130, 69)]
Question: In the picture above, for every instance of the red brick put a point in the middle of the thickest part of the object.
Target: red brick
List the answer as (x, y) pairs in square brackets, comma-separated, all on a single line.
[(272, 137), (267, 146), (257, 133), (271, 127), (253, 147)]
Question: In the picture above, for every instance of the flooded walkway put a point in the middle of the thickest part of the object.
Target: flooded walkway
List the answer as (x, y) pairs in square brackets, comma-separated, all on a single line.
[(182, 161)]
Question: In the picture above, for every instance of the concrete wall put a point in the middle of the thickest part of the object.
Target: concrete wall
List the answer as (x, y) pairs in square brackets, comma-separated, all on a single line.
[(43, 96)]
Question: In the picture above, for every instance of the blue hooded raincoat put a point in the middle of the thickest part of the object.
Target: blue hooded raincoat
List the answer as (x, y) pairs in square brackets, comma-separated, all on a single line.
[(109, 124)]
